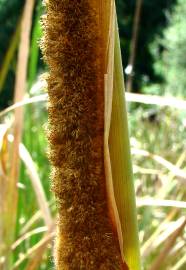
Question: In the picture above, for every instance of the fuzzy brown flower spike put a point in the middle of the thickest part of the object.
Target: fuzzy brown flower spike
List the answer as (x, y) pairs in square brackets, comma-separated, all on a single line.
[(73, 51)]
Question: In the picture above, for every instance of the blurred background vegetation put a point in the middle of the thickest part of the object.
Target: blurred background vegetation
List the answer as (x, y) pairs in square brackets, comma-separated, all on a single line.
[(153, 32)]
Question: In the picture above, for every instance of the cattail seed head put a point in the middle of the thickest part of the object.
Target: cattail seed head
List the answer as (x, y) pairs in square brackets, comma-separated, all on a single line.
[(73, 51)]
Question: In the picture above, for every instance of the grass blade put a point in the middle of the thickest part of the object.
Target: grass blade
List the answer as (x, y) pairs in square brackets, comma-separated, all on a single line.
[(119, 148), (34, 48), (167, 248), (36, 248), (180, 263), (28, 235), (26, 101), (20, 86), (159, 203), (37, 186), (167, 164), (148, 245), (157, 100), (9, 55)]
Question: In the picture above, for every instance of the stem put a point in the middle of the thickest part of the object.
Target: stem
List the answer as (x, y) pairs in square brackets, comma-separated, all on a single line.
[(134, 44), (9, 55), (119, 146), (13, 174)]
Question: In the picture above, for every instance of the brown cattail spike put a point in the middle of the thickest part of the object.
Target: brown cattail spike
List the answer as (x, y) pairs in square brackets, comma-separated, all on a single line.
[(73, 51)]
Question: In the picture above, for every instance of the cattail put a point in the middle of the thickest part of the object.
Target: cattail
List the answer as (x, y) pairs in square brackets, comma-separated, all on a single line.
[(74, 51)]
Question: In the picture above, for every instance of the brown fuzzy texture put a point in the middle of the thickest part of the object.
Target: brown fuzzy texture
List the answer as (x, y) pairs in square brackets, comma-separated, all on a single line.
[(71, 47)]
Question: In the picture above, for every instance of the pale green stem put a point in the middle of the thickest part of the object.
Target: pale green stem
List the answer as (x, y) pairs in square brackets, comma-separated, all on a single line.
[(119, 146)]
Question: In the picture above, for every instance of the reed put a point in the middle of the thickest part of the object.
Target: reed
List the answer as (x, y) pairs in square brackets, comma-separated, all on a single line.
[(79, 45)]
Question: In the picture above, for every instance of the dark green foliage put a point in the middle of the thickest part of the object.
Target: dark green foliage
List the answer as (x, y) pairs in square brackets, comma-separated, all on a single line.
[(10, 13), (174, 60), (8, 8), (153, 21)]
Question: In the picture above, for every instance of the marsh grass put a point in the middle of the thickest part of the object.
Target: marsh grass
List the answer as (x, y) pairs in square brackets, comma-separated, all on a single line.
[(161, 228)]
